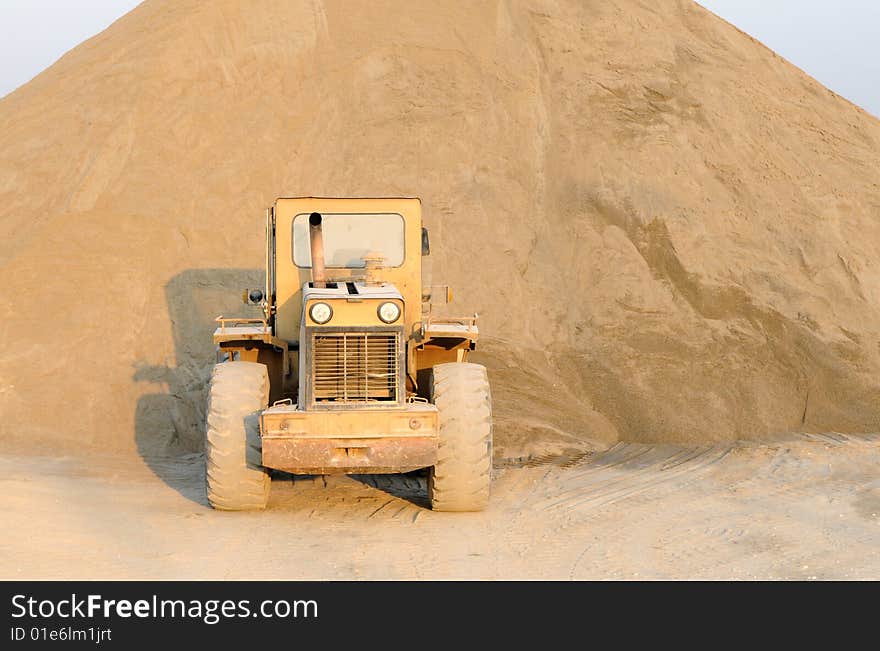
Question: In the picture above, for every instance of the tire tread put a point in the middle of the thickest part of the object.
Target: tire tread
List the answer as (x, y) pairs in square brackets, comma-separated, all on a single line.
[(234, 478), (461, 478)]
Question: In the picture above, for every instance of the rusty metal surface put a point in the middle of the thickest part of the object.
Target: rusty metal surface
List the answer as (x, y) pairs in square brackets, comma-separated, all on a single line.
[(316, 243), (341, 455), (327, 442), (288, 421)]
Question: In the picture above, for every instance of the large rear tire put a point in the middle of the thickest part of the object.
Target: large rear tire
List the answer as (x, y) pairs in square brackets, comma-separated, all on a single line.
[(460, 480), (235, 478)]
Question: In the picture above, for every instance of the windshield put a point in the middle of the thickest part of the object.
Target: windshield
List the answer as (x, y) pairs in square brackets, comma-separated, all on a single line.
[(349, 237)]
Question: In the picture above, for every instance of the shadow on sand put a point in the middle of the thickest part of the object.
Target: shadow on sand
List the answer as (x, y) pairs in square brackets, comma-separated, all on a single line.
[(412, 486), (169, 425)]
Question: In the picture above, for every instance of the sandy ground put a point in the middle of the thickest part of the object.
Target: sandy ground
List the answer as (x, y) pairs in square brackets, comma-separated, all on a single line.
[(804, 508)]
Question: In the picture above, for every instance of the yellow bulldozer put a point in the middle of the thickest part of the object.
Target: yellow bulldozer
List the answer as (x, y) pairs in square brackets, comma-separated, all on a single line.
[(348, 370)]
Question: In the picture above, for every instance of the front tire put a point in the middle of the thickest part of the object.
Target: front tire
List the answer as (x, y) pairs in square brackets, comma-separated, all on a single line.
[(235, 479), (461, 477)]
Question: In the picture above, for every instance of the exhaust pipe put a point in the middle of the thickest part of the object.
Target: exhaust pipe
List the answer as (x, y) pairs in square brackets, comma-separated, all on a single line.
[(316, 241)]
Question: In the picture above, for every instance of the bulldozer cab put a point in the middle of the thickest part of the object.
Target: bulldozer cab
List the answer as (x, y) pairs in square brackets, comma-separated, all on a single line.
[(364, 240)]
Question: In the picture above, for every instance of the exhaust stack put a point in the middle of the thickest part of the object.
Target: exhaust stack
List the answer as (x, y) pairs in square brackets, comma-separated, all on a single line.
[(316, 241)]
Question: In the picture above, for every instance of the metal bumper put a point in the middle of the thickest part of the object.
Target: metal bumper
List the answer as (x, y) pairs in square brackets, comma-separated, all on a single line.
[(350, 441)]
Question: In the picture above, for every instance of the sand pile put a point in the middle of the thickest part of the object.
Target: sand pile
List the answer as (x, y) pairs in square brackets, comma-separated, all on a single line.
[(670, 233)]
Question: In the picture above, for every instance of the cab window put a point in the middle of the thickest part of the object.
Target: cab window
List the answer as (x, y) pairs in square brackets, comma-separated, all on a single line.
[(348, 237)]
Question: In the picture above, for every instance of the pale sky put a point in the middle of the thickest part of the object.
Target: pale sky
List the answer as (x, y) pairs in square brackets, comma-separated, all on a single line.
[(35, 33), (835, 41)]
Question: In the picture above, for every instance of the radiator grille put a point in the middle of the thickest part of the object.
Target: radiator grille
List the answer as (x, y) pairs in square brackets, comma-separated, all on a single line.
[(355, 367)]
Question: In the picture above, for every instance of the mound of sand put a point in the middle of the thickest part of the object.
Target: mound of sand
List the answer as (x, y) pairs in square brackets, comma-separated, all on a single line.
[(670, 233)]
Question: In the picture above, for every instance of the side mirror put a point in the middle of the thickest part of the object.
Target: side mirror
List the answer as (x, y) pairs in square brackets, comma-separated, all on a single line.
[(252, 296), (426, 245)]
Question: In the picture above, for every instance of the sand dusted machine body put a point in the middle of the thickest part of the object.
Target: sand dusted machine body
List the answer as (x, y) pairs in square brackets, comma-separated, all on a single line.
[(348, 370)]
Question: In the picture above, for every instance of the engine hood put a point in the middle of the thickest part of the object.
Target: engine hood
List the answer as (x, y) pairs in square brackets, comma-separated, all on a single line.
[(355, 289)]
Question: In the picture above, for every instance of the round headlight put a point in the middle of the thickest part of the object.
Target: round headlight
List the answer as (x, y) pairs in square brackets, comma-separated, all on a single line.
[(320, 313), (389, 312)]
